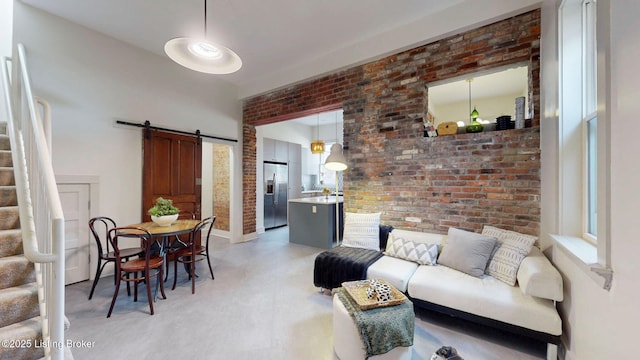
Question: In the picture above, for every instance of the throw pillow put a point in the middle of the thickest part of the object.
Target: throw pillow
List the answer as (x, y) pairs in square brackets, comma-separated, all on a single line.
[(362, 231), (421, 253), (467, 252), (511, 249)]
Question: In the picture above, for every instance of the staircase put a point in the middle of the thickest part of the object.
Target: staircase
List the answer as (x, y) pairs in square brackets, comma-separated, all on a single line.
[(20, 322)]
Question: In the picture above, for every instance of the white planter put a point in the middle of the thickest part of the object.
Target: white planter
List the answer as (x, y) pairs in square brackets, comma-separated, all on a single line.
[(165, 220)]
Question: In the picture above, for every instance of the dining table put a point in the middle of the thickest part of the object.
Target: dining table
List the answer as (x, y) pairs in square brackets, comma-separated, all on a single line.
[(163, 235), (179, 227)]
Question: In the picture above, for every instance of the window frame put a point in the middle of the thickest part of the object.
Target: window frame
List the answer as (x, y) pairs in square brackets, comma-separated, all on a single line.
[(591, 253), (589, 113)]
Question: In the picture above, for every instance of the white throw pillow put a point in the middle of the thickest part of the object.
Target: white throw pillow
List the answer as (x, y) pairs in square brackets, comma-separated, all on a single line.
[(421, 253), (362, 231), (511, 249)]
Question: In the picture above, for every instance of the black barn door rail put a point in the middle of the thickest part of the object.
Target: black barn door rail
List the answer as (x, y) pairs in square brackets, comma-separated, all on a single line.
[(147, 126)]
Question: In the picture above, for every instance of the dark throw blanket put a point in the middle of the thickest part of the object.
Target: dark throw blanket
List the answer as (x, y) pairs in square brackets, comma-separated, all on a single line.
[(340, 264)]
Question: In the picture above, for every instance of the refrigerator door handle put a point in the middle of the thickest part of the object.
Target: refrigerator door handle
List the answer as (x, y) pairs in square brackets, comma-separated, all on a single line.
[(275, 190)]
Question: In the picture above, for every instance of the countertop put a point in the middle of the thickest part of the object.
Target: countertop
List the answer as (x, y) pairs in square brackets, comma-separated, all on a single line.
[(318, 200)]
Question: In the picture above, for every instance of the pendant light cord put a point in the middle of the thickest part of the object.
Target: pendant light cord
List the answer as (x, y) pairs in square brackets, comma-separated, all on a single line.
[(205, 19), (337, 128)]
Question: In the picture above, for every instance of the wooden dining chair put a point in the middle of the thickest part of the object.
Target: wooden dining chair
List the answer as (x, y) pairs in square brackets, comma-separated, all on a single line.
[(179, 241), (149, 266), (194, 252), (100, 226)]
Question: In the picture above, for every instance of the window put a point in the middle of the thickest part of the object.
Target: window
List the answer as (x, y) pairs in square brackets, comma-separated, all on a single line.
[(583, 143), (589, 119)]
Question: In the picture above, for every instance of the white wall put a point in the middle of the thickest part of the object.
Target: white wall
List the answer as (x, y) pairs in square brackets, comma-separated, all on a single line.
[(91, 80), (488, 108), (6, 31), (600, 324), (452, 20)]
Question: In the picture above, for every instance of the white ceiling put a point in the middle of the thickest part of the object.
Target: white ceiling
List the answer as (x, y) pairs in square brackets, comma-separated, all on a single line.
[(285, 41), (269, 36)]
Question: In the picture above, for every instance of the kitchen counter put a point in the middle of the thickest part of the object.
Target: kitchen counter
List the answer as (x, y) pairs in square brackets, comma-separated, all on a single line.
[(318, 200), (312, 221)]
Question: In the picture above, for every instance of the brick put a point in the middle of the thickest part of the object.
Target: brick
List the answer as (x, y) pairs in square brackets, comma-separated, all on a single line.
[(464, 180)]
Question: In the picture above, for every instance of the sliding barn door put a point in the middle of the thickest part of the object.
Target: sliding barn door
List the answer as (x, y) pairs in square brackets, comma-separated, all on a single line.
[(172, 169)]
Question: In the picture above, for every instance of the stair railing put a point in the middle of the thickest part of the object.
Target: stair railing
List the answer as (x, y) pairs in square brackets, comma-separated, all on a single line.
[(42, 230)]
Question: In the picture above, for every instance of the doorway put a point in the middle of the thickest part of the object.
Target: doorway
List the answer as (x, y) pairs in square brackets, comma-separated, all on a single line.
[(74, 199)]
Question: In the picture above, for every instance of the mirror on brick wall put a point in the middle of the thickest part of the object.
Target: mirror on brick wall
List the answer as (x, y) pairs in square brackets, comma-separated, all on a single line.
[(493, 93)]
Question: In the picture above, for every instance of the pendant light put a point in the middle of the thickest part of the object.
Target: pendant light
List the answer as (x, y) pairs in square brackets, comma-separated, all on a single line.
[(474, 125), (202, 55), (336, 160), (317, 146)]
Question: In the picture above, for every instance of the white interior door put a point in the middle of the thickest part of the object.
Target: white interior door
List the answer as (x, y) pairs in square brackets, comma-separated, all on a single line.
[(75, 206)]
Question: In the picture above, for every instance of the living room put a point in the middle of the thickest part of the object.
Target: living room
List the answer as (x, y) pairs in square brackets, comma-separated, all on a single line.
[(92, 79)]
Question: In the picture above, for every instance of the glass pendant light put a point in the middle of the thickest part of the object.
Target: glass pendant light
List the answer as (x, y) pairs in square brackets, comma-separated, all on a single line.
[(317, 146), (474, 126)]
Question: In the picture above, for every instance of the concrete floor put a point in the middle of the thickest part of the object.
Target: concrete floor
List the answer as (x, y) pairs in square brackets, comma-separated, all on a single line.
[(261, 305)]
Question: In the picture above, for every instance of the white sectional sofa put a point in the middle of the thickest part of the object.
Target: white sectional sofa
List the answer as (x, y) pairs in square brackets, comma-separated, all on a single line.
[(527, 308)]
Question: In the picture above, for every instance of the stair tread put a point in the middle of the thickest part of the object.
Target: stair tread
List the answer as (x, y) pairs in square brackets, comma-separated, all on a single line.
[(10, 242), (19, 303), (14, 258), (24, 288), (9, 231), (17, 270), (25, 327)]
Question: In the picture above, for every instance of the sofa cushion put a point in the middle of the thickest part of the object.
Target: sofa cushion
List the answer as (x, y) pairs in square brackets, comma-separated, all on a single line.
[(362, 230), (487, 297), (511, 249), (538, 277), (396, 272), (422, 253), (467, 251)]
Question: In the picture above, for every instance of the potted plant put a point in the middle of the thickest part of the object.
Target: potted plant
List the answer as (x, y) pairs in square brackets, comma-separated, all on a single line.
[(163, 212)]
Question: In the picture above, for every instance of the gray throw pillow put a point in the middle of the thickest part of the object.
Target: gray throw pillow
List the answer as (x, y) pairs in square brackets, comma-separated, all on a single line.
[(467, 251)]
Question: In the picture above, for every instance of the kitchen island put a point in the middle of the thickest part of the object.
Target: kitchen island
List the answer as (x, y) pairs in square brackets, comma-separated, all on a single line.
[(312, 221)]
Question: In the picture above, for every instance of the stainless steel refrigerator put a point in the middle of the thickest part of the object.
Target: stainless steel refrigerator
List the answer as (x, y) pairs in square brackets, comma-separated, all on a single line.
[(276, 179)]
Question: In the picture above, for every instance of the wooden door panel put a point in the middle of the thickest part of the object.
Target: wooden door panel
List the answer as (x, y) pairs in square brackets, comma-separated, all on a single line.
[(161, 165), (187, 162), (172, 169)]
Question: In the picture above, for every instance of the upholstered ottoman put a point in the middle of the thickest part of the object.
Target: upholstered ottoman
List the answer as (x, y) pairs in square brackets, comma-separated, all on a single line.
[(347, 342)]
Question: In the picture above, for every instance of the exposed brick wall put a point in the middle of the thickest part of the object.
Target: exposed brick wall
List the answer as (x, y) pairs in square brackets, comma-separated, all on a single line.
[(248, 179), (424, 183), (221, 185)]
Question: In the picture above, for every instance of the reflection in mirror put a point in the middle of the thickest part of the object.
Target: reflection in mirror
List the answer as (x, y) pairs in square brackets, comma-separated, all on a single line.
[(492, 94)]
